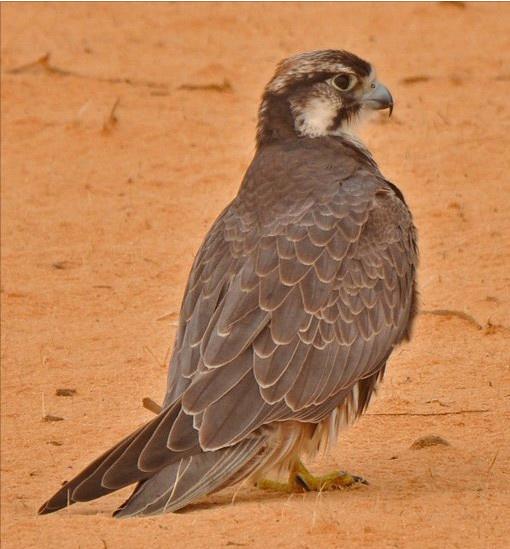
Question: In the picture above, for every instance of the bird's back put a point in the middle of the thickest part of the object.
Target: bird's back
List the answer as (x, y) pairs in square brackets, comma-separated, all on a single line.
[(307, 260)]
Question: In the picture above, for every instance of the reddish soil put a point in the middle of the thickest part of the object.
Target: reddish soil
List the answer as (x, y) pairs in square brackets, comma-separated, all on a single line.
[(102, 214)]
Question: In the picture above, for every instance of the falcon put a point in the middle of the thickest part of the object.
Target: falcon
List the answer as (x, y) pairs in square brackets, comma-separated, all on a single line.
[(296, 299)]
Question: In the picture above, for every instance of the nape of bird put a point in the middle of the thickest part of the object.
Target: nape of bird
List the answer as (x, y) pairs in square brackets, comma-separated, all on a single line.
[(297, 297)]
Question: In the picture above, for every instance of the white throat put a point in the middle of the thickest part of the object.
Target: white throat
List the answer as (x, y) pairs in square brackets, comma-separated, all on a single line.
[(316, 119)]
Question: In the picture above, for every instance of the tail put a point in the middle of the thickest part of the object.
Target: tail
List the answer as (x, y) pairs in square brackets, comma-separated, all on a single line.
[(182, 483), (165, 459)]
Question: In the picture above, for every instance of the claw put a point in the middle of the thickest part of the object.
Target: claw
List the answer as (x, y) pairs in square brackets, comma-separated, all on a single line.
[(302, 482)]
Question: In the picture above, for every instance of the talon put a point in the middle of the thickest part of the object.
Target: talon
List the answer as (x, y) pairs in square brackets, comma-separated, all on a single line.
[(302, 482)]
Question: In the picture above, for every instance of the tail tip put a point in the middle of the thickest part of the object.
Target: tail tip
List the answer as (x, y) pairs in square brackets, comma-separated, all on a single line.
[(45, 509)]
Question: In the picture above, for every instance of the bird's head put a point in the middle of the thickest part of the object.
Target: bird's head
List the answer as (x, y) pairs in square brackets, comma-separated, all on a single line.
[(319, 93)]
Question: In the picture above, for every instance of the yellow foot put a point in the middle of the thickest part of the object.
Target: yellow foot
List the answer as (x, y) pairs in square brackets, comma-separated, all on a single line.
[(301, 480), (275, 486)]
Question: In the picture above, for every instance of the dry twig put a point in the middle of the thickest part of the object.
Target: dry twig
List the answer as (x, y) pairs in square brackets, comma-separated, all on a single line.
[(150, 405), (452, 312), (44, 64), (49, 417), (65, 392), (412, 414), (112, 119), (455, 4), (493, 462), (225, 86), (416, 79)]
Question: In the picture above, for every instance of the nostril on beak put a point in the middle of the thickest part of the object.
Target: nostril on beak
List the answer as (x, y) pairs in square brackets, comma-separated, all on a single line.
[(379, 97)]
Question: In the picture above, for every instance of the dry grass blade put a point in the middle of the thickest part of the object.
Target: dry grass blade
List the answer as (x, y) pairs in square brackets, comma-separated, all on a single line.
[(168, 316), (493, 461)]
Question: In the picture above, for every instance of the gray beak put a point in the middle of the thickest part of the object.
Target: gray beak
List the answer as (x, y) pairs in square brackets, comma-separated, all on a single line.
[(378, 98)]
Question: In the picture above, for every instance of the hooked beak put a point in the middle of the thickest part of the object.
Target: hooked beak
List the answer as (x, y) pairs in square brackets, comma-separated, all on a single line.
[(378, 98)]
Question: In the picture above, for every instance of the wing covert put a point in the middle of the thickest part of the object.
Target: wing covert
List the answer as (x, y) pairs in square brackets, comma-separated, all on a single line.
[(305, 314)]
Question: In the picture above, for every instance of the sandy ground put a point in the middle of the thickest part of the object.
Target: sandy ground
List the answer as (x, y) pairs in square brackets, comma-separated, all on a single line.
[(103, 211)]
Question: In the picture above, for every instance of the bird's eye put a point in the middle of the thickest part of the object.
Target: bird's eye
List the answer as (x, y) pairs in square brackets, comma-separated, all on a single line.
[(344, 82)]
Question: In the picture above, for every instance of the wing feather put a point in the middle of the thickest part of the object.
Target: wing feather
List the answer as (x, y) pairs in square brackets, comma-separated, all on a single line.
[(211, 385), (268, 370), (225, 419)]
